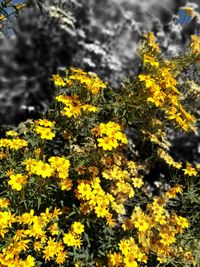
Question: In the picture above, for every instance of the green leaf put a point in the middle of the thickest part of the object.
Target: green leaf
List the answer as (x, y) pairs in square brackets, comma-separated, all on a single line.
[(39, 202)]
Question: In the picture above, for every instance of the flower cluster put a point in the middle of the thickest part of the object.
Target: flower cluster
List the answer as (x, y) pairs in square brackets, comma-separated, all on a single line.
[(151, 41), (73, 107), (58, 80), (72, 238), (160, 87), (124, 180), (156, 231), (57, 167), (89, 80), (43, 127), (95, 197), (84, 198), (188, 170), (17, 181), (14, 144), (168, 159), (61, 166), (36, 233), (110, 135)]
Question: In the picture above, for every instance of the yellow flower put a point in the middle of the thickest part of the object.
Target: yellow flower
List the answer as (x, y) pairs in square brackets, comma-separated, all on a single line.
[(63, 173), (84, 190), (17, 143), (189, 258), (141, 221), (151, 60), (43, 169), (137, 182), (54, 230), (4, 142), (130, 252), (56, 213), (46, 216), (73, 107), (50, 249), (141, 225), (45, 133), (161, 219), (22, 245), (4, 203), (124, 246), (157, 208), (45, 123), (130, 261), (36, 229), (181, 222), (132, 165), (2, 155), (150, 37), (144, 240), (172, 192), (189, 170), (59, 164), (43, 127), (12, 133), (71, 111), (110, 221), (17, 181), (120, 137), (111, 135), (89, 108), (20, 234), (47, 254), (69, 239), (61, 256), (65, 99), (119, 208), (147, 79), (27, 218), (3, 231), (66, 184), (30, 165), (37, 152), (195, 44), (37, 246), (107, 143), (6, 219), (78, 243), (124, 188), (156, 99), (89, 80), (167, 238), (168, 159), (58, 81), (101, 211), (28, 262), (186, 114), (78, 228), (115, 259)]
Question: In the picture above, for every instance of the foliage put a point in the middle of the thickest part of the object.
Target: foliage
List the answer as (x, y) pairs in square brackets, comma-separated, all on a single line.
[(75, 189)]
